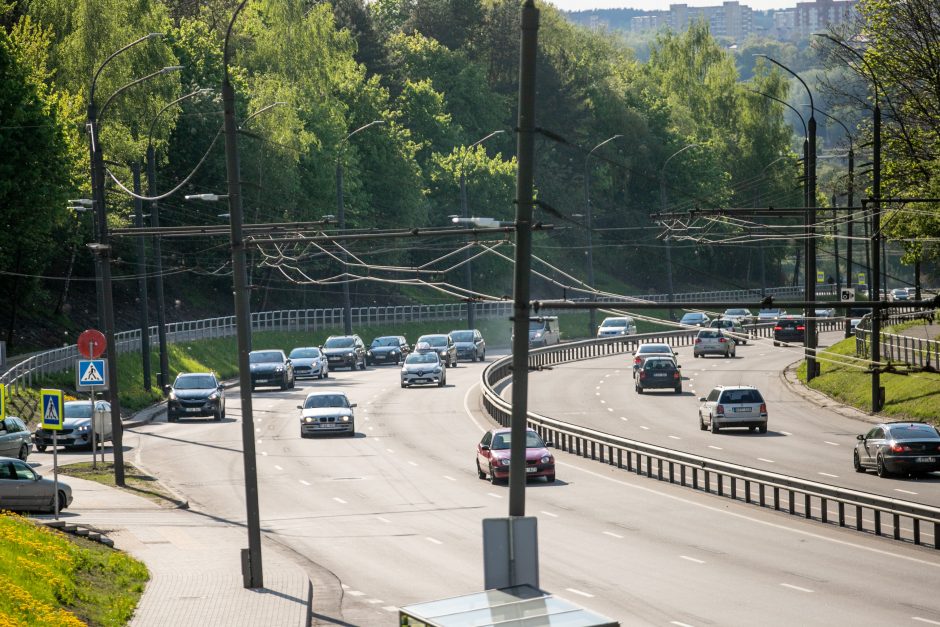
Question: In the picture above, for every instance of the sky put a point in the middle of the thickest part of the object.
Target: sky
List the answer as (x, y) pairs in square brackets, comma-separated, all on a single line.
[(663, 5)]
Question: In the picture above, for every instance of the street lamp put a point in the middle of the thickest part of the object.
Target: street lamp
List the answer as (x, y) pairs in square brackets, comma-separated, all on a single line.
[(162, 379), (341, 212), (592, 319), (662, 203), (278, 103), (465, 212), (102, 250), (810, 229)]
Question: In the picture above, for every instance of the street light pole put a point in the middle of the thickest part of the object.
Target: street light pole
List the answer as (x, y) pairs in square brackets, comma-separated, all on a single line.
[(341, 216), (252, 571), (662, 204), (465, 213), (102, 250), (592, 319), (142, 279)]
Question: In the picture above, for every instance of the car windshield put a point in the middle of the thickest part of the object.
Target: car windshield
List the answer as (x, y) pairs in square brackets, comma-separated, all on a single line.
[(305, 353), (265, 357), (614, 322), (654, 348), (421, 358), (709, 334), (501, 441), (339, 342), (385, 341), (434, 340), (737, 312), (692, 316), (914, 432), (196, 382), (462, 336), (722, 323), (536, 325), (77, 410), (326, 400), (741, 396)]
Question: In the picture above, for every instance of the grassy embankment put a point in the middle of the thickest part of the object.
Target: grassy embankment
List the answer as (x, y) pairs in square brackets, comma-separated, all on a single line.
[(51, 580), (914, 396)]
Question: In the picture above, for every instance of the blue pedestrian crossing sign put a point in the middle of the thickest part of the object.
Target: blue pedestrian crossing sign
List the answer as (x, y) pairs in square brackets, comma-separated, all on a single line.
[(91, 374), (52, 409)]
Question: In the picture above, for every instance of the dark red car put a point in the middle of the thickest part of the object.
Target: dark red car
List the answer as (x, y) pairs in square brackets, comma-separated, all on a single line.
[(493, 456)]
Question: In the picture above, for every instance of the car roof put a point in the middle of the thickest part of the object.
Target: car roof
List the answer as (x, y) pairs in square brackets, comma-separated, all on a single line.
[(427, 335), (333, 337), (734, 387), (196, 374), (509, 430), (657, 344), (325, 393)]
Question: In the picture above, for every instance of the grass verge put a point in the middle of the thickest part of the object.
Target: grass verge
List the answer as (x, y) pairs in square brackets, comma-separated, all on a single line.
[(135, 481), (52, 579), (914, 396)]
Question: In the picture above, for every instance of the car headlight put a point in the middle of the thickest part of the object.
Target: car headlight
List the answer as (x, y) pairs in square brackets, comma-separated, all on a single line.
[(214, 396), (437, 369), (279, 369), (172, 396), (350, 354), (504, 461), (82, 428), (308, 419), (393, 352), (537, 334), (369, 352), (546, 459)]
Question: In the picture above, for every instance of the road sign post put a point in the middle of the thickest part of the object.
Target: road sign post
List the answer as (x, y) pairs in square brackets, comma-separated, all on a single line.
[(52, 410), (92, 375)]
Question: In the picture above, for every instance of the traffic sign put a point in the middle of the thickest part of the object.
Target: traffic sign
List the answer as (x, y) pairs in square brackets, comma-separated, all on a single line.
[(52, 409), (91, 374), (820, 276), (862, 280), (91, 343), (847, 295), (3, 402)]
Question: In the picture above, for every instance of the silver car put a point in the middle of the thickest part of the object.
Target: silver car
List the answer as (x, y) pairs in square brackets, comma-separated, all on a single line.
[(327, 412), (423, 367), (733, 406), (76, 426), (713, 342), (15, 438), (308, 361), (616, 326), (22, 490)]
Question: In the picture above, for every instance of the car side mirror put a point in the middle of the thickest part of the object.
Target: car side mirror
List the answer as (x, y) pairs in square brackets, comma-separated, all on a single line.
[(484, 447), (860, 437), (679, 366), (167, 388), (353, 405), (702, 399), (300, 407), (549, 444)]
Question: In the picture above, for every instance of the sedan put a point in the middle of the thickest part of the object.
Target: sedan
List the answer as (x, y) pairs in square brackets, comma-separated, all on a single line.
[(327, 412), (388, 349), (270, 367), (898, 447), (789, 329), (493, 456), (658, 372), (21, 489), (309, 361), (15, 438), (695, 319), (744, 316), (423, 367), (770, 314), (195, 394), (731, 327)]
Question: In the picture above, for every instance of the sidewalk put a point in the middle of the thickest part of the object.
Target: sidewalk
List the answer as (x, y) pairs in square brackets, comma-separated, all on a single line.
[(194, 562)]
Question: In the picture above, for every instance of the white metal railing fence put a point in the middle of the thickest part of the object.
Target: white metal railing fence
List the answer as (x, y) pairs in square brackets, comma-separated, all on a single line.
[(897, 347)]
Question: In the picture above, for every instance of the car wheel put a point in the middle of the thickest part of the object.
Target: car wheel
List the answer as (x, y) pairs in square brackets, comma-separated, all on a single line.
[(639, 390), (751, 429), (480, 473), (493, 478), (362, 366), (253, 388), (326, 374), (41, 448), (762, 429), (679, 390), (403, 385), (776, 343), (219, 415), (442, 382), (171, 418), (882, 469), (701, 423), (285, 383), (714, 426), (857, 463), (482, 355), (550, 478), (727, 354), (24, 452), (63, 500)]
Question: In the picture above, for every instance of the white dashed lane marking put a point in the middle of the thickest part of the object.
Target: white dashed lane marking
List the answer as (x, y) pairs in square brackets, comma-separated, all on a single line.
[(549, 514), (826, 474), (644, 427), (433, 540), (925, 620), (692, 559), (449, 478), (786, 433), (613, 535), (278, 467), (904, 491), (764, 459), (798, 588), (304, 482), (380, 519), (584, 594), (339, 500), (494, 495), (831, 443), (674, 437), (412, 463), (717, 448), (390, 608)]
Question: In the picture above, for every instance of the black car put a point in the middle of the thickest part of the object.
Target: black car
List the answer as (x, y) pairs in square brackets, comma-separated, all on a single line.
[(898, 447), (789, 329), (195, 394), (388, 349), (345, 351), (470, 344), (443, 345), (270, 367), (658, 373)]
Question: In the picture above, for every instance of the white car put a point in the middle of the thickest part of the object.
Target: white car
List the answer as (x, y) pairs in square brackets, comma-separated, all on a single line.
[(327, 412), (423, 367), (733, 406), (617, 326)]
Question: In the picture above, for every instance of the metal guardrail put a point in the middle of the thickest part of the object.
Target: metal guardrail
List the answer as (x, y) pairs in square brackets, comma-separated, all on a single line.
[(898, 348), (883, 516)]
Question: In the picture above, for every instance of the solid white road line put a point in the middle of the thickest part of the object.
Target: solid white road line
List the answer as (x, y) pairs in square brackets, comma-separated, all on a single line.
[(613, 535), (792, 587), (692, 559), (584, 594)]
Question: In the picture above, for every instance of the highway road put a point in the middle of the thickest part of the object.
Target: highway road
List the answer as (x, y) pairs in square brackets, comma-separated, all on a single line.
[(393, 516)]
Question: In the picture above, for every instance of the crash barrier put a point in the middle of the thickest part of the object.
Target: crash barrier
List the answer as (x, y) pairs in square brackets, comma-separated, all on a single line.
[(898, 348), (827, 504)]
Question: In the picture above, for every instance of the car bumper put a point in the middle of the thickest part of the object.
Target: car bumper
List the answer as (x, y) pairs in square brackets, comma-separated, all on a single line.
[(532, 471), (312, 428), (757, 420), (385, 358), (467, 353), (70, 439), (656, 383), (910, 464), (426, 378), (789, 337), (711, 350), (267, 379), (308, 371), (207, 408), (342, 362)]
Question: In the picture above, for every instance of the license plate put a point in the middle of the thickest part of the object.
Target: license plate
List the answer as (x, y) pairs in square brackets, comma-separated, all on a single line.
[(192, 409), (926, 460), (659, 374), (743, 410), (332, 359), (531, 469)]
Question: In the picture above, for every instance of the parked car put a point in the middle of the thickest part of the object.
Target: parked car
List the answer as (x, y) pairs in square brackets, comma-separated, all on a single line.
[(23, 490), (770, 314), (270, 367), (652, 349), (443, 345), (470, 344), (732, 328), (658, 373), (713, 342), (544, 331), (695, 319), (423, 367), (617, 326), (744, 316), (492, 459), (345, 351), (898, 447), (789, 329), (899, 294), (388, 349), (309, 361), (76, 426), (733, 406), (195, 394), (327, 412), (15, 438)]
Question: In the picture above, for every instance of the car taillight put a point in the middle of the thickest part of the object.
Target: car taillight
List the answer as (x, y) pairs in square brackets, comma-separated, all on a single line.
[(800, 328), (900, 448), (698, 341), (721, 339), (637, 361), (778, 328), (642, 374), (763, 408), (675, 375), (720, 409)]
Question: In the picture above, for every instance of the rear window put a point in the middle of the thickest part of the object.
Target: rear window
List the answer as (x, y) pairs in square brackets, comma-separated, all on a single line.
[(741, 396), (709, 334), (914, 432), (654, 348), (659, 364)]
